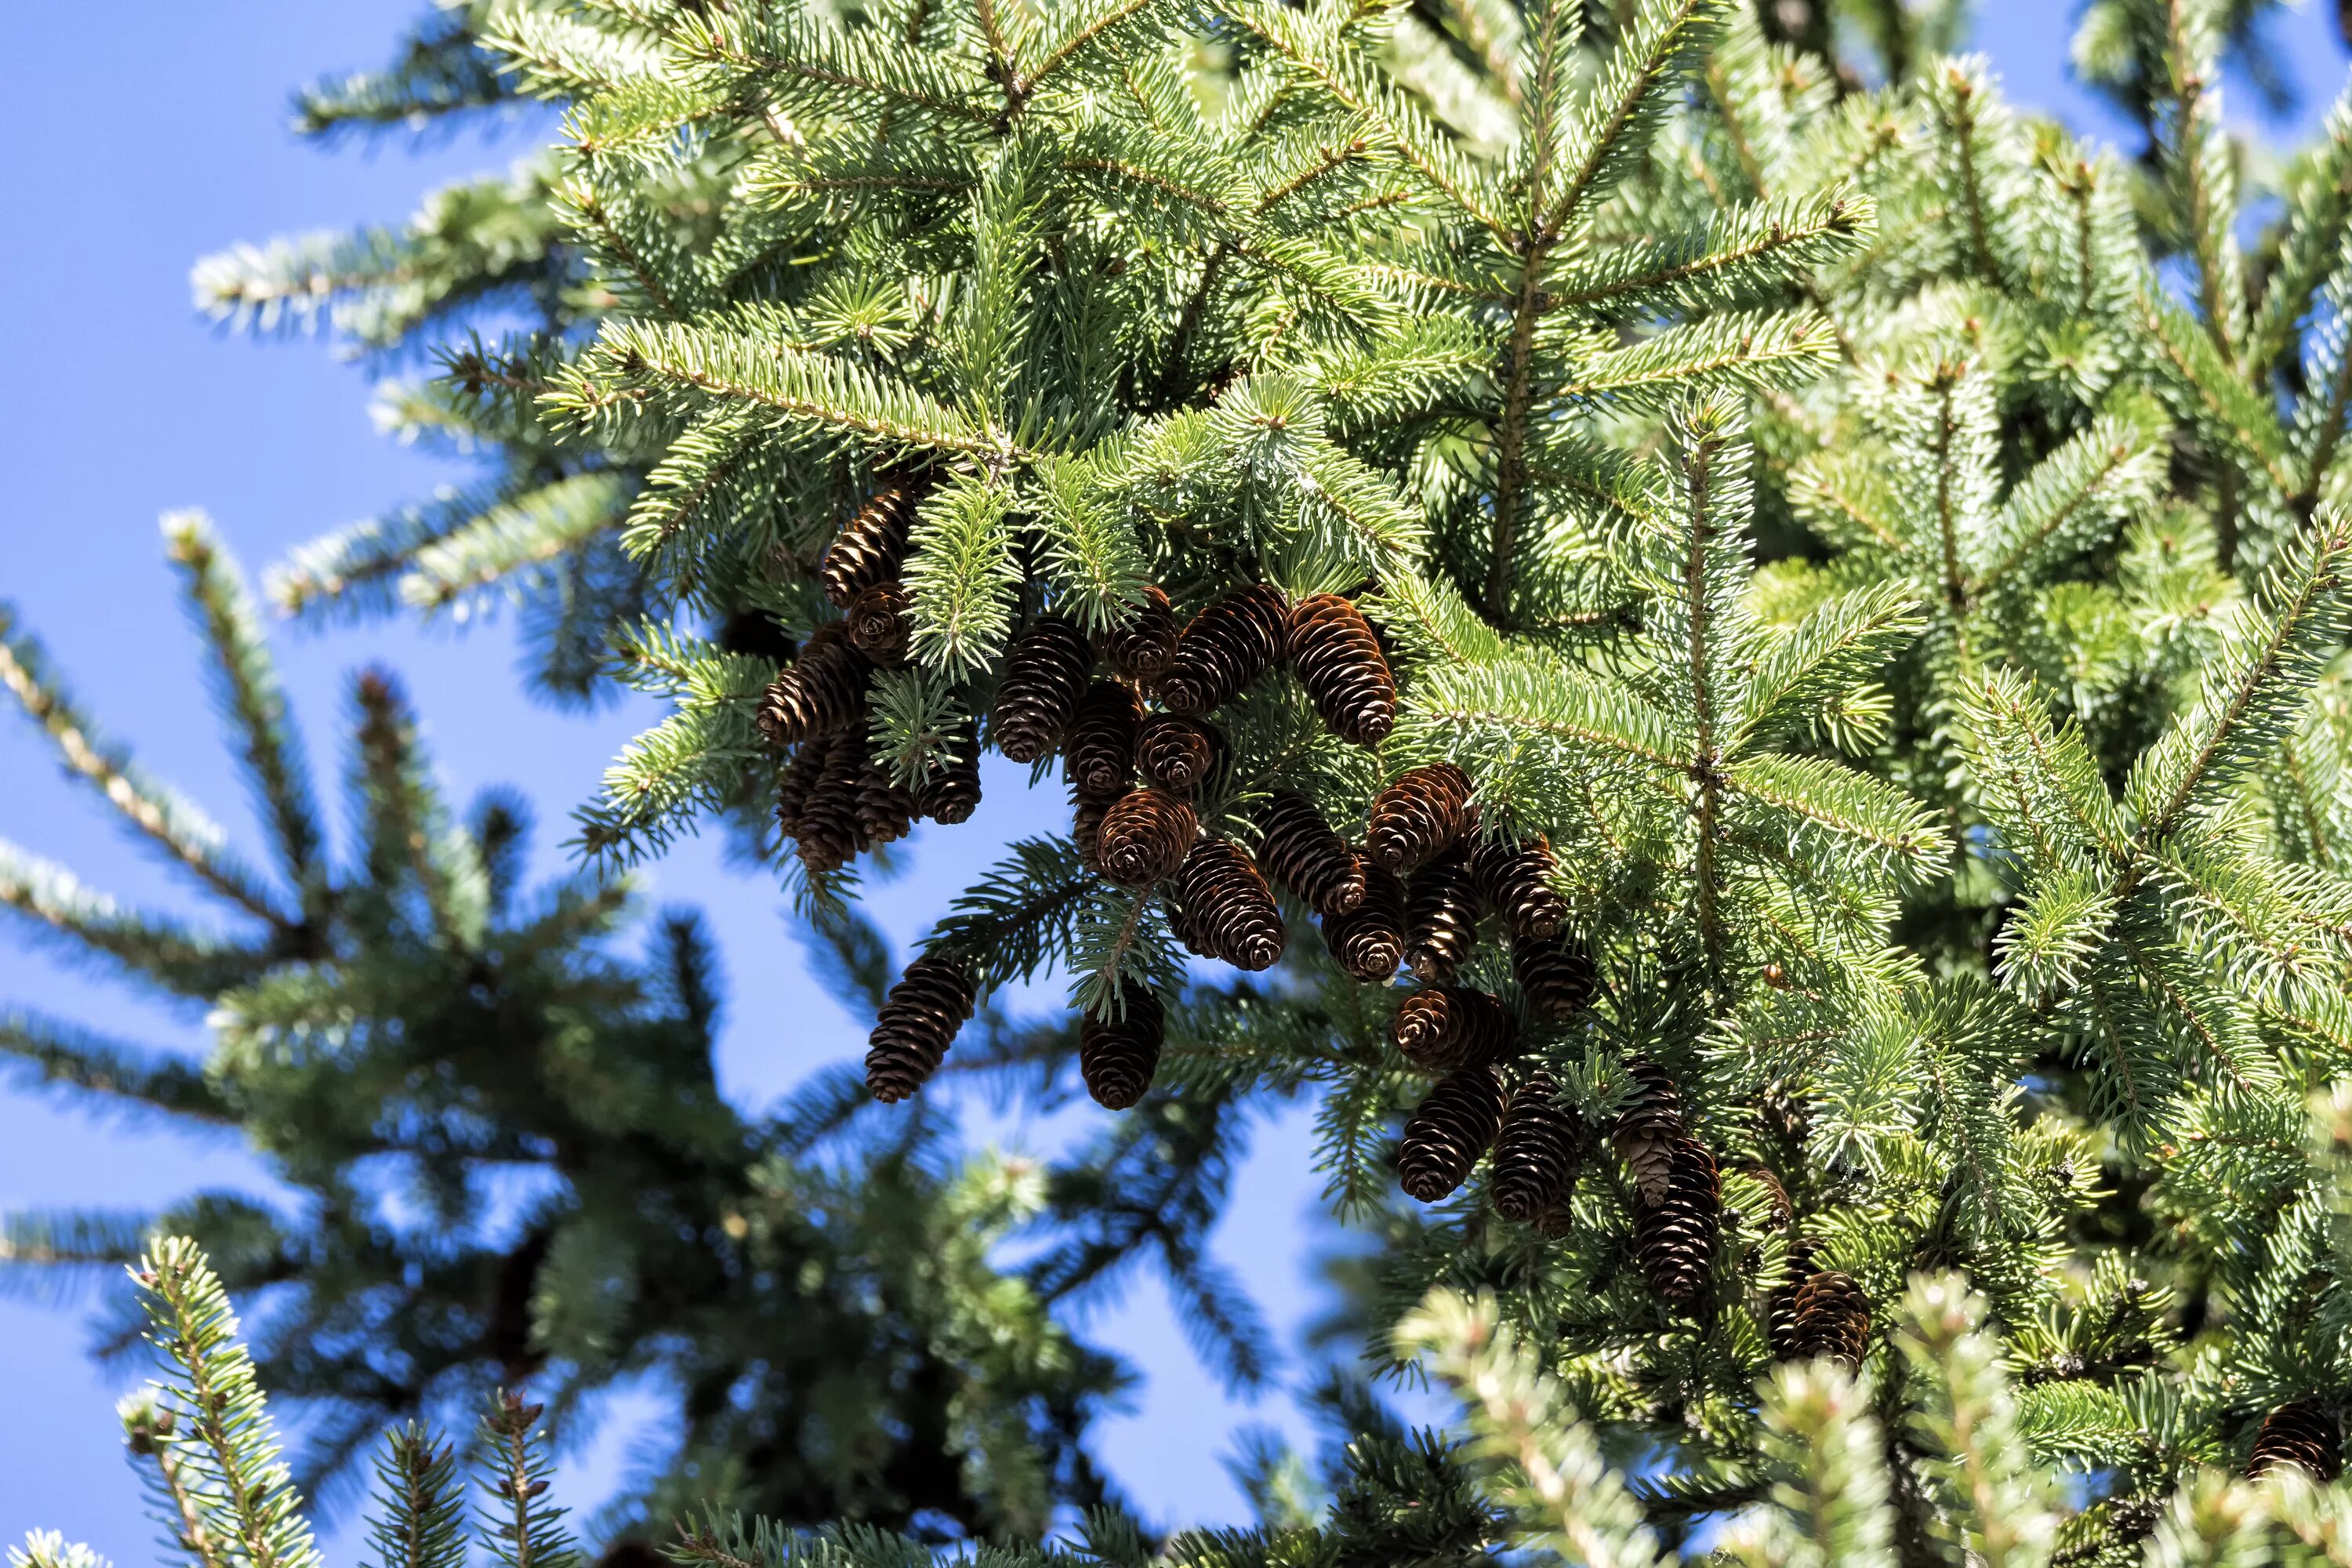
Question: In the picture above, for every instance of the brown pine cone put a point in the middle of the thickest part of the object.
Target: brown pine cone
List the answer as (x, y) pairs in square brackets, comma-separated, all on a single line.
[(879, 626), (1778, 1210), (1447, 1026), (1146, 834), (917, 1025), (1300, 850), (869, 550), (1512, 878), (1177, 752), (2305, 1432), (1098, 758), (1230, 910), (1447, 1134), (1555, 977), (1535, 1153), (1369, 940), (799, 779), (830, 833), (950, 794), (1647, 1129), (1441, 918), (1824, 1314), (1144, 647), (1225, 647), (884, 811), (1418, 817), (1674, 1237), (823, 689), (1339, 662), (1117, 1056), (1085, 830), (1045, 675)]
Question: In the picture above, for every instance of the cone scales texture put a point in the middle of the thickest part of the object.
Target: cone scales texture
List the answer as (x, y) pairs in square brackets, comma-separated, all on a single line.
[(1145, 836), (1044, 676), (1369, 940), (1447, 1026), (1441, 918), (1298, 849), (951, 794), (1176, 753), (868, 551), (1825, 1314), (1100, 755), (2305, 1433), (1535, 1152), (1418, 817), (1674, 1236), (1513, 878), (877, 622), (1118, 1055), (1647, 1129), (1224, 649), (1445, 1138), (1339, 660), (1555, 975), (919, 1021), (1229, 911), (1144, 647), (823, 689)]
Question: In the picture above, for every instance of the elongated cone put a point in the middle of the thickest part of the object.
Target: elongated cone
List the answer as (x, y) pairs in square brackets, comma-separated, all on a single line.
[(1298, 849), (1118, 1056), (1535, 1153), (1225, 647), (1674, 1238), (1555, 977), (1444, 1028), (919, 1021), (823, 689), (1045, 675), (1825, 1314), (1144, 647), (1513, 878), (1339, 660), (1647, 1127), (870, 548), (1098, 758), (1455, 1124), (830, 830), (1145, 836), (1418, 817), (1229, 911), (1369, 940), (1441, 918), (951, 794)]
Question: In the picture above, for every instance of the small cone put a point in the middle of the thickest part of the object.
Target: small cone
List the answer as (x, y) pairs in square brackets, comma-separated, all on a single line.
[(1513, 878), (1445, 1028), (823, 689), (1825, 1314), (868, 551), (1339, 660), (917, 1025), (1441, 918), (1674, 1238), (1445, 1138), (1144, 647), (1118, 1056), (1145, 836), (1298, 849), (1223, 649), (1418, 817), (2307, 1434), (1045, 675), (878, 625), (1176, 753), (1369, 940), (1099, 756), (1229, 911), (1555, 977), (950, 794), (1535, 1153), (1647, 1130)]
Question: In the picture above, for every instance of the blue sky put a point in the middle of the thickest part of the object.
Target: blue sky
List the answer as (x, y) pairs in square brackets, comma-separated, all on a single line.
[(147, 134)]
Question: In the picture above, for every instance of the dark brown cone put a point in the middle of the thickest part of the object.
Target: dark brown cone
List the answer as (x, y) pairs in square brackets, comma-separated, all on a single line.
[(1144, 647), (869, 549), (885, 811), (823, 690), (1339, 661), (1647, 1130), (830, 834), (1555, 977), (917, 1025), (1117, 1056), (1535, 1153), (1300, 850), (950, 794), (1441, 918), (1418, 817), (1098, 758), (1443, 1140), (1045, 675), (1825, 1314), (1145, 836), (1226, 647), (1369, 940), (1778, 1210), (2305, 1432), (1177, 752), (1511, 878), (800, 778), (1674, 1238), (1447, 1027), (877, 622), (1085, 830), (1228, 905)]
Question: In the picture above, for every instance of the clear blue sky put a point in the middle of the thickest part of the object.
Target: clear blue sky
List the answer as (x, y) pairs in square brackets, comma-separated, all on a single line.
[(144, 135)]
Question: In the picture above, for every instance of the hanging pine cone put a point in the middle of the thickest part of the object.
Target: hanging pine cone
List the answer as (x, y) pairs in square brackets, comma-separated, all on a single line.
[(951, 793), (1454, 1125), (1045, 675), (1085, 830), (885, 811), (1778, 1210), (1555, 977), (1339, 662), (879, 626), (1447, 1026), (1512, 878), (2305, 1432), (1418, 817), (1300, 850), (1225, 647), (1098, 758), (1824, 1314), (823, 689), (1145, 836), (1441, 918), (1647, 1130), (1177, 752), (868, 551), (1117, 1056), (1674, 1237), (917, 1025), (1535, 1153), (1369, 940), (799, 779), (1230, 908), (829, 831), (1144, 647)]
